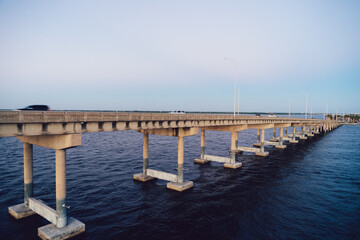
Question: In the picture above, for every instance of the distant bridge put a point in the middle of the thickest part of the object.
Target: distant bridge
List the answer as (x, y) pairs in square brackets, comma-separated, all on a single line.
[(62, 130)]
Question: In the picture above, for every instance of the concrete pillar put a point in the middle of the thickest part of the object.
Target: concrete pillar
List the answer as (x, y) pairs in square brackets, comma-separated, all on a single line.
[(60, 162), (145, 152), (233, 146), (294, 133), (236, 140), (180, 159), (274, 133), (286, 133), (262, 140), (28, 172), (202, 144), (281, 136), (258, 136)]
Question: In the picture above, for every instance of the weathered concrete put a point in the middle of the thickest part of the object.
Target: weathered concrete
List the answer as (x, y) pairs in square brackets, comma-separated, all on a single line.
[(248, 149), (233, 165), (262, 154), (24, 123), (145, 152), (20, 211), (217, 159), (53, 141), (201, 161), (28, 172), (43, 210), (50, 231), (180, 169), (274, 136), (180, 186), (202, 144), (60, 169), (162, 175), (142, 177)]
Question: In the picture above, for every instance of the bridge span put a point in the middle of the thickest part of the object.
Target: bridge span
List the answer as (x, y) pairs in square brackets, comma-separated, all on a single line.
[(63, 130)]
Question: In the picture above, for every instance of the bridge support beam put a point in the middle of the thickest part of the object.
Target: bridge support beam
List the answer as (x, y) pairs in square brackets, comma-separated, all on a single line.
[(143, 177), (228, 162), (232, 163), (294, 135), (202, 159), (60, 227), (303, 131), (280, 145), (274, 136), (176, 182), (262, 153), (180, 185)]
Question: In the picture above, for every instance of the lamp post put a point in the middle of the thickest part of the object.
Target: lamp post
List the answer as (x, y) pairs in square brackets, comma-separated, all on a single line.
[(306, 103), (235, 62)]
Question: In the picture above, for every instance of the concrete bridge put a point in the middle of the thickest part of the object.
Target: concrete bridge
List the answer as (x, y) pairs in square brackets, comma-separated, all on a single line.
[(62, 130)]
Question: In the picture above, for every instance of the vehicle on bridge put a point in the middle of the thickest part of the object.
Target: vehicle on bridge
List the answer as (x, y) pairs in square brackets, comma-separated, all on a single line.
[(177, 112), (35, 108)]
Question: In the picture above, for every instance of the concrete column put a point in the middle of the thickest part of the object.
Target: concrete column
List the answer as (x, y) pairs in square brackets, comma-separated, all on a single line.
[(180, 159), (202, 144), (28, 173), (286, 133), (262, 140), (236, 140), (258, 136), (294, 133), (145, 152), (60, 162), (274, 133), (233, 146), (281, 136)]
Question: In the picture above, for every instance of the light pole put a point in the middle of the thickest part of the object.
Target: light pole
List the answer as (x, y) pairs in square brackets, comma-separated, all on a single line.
[(289, 106), (307, 95), (235, 62)]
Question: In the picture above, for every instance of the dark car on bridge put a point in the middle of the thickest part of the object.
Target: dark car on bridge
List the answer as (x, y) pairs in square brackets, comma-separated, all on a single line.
[(36, 108)]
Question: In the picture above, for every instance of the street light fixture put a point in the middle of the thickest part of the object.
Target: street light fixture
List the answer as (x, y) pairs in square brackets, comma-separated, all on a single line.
[(235, 62), (306, 104)]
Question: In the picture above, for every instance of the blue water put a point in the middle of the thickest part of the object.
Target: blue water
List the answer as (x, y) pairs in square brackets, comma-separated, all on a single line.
[(310, 190)]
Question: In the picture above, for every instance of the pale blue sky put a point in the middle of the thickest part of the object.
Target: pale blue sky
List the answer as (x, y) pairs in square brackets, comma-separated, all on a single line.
[(168, 55)]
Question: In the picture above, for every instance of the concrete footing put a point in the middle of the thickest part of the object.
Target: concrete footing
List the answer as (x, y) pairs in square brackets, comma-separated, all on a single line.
[(180, 186), (50, 231), (201, 161), (257, 145), (280, 146), (303, 138), (294, 141), (262, 154), (233, 165), (20, 211), (142, 177), (273, 140)]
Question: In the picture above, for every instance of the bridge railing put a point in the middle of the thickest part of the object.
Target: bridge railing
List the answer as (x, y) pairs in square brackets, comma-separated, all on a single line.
[(72, 116)]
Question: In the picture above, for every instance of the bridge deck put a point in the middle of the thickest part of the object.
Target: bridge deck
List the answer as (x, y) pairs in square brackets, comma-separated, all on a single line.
[(23, 123)]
